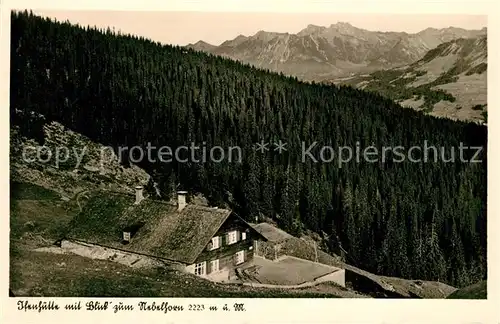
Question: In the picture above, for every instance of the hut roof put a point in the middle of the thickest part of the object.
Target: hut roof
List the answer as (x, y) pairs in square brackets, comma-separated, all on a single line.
[(271, 233), (165, 232)]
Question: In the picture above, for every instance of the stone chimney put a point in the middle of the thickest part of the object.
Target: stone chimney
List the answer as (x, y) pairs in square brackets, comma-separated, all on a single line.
[(181, 200), (138, 195)]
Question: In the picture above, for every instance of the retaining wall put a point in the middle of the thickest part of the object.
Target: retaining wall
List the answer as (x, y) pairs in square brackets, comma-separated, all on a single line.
[(104, 253), (337, 277)]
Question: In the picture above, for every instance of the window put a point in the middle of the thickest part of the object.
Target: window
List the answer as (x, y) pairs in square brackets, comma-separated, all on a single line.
[(240, 257), (232, 237), (214, 265), (243, 236), (126, 236), (215, 243), (199, 269)]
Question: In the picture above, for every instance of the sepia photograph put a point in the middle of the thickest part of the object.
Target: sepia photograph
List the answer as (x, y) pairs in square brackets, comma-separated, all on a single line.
[(247, 155)]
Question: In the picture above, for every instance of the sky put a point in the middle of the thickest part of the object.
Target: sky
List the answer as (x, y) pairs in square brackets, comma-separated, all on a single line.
[(182, 28)]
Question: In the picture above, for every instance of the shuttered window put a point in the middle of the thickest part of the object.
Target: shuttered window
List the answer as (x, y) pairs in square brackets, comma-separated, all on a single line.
[(232, 237), (215, 243), (214, 265)]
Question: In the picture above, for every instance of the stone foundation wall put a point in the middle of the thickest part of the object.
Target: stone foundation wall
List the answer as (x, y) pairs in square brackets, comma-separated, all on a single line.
[(103, 253), (337, 277)]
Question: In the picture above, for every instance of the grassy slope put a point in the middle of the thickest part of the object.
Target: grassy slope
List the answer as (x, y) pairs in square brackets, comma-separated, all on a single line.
[(37, 212), (445, 89), (66, 275), (394, 85)]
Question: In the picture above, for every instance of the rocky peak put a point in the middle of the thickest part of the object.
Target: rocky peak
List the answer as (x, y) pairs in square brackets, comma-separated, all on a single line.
[(311, 29)]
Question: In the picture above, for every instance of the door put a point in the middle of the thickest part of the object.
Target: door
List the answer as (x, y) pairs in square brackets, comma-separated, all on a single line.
[(240, 257)]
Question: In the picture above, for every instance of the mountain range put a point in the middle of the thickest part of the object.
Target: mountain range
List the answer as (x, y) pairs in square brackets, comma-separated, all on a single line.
[(319, 53)]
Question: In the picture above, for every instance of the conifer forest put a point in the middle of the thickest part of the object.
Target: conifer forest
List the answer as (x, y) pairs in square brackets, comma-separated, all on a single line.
[(416, 220)]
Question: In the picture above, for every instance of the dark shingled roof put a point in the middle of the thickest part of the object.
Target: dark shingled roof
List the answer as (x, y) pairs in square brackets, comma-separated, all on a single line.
[(166, 233), (271, 233)]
